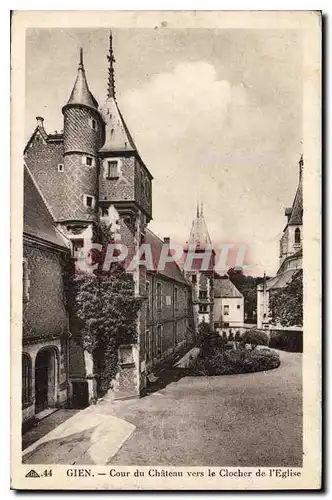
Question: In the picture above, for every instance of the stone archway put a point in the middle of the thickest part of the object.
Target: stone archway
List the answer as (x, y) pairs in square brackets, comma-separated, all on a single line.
[(46, 378)]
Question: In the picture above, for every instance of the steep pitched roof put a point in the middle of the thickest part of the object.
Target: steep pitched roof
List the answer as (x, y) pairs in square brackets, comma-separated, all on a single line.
[(171, 269), (117, 135), (295, 214), (281, 280), (223, 287), (37, 220), (81, 93), (199, 234)]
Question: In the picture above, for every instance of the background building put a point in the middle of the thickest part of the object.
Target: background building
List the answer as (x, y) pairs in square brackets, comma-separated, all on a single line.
[(228, 308), (290, 255)]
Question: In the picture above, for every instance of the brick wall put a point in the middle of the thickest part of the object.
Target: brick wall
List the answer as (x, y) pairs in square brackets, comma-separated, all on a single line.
[(42, 160), (44, 313)]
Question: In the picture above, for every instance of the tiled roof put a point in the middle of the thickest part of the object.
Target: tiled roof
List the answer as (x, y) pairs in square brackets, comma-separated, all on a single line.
[(37, 220), (171, 270), (223, 287)]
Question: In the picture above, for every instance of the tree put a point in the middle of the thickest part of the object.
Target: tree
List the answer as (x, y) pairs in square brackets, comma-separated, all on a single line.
[(247, 285), (286, 304)]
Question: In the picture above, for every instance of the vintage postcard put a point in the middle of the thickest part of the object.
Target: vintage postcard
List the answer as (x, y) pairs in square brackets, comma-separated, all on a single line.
[(166, 322)]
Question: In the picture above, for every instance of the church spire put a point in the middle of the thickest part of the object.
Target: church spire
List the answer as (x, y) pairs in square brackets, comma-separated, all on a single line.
[(199, 234), (111, 60)]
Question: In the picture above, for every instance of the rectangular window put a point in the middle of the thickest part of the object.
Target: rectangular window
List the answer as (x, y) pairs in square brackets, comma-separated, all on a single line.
[(176, 299), (159, 341), (159, 297), (203, 294), (112, 171), (148, 295), (194, 279), (226, 310), (203, 308), (148, 345), (88, 160), (77, 245), (93, 124), (89, 201), (60, 167)]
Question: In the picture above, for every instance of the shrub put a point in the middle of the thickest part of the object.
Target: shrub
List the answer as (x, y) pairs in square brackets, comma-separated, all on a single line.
[(287, 340), (224, 335), (231, 336), (235, 362), (255, 338), (238, 336)]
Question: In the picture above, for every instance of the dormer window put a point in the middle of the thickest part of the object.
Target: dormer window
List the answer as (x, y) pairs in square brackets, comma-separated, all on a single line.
[(60, 167)]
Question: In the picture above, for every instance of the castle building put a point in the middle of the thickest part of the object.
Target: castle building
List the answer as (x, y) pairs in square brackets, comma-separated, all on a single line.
[(91, 172), (290, 255), (200, 272)]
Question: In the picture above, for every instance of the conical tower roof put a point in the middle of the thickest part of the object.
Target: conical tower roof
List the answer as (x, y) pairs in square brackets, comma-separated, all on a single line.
[(81, 94), (199, 235)]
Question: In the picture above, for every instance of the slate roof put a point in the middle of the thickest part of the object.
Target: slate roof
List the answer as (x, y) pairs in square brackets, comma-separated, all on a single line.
[(281, 280), (199, 234), (172, 270), (223, 287), (37, 220)]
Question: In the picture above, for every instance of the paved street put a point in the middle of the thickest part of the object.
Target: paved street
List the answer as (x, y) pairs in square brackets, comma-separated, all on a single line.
[(248, 420), (237, 420)]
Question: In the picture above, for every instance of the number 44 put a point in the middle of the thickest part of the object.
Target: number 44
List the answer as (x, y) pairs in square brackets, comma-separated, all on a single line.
[(47, 473)]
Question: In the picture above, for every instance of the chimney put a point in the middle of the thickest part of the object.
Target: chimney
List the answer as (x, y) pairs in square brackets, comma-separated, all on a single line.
[(40, 121)]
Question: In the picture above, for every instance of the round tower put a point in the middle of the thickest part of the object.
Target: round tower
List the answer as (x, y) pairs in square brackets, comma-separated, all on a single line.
[(83, 136)]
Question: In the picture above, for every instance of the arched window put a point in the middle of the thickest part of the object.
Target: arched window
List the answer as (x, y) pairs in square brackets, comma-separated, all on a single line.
[(297, 236), (26, 379)]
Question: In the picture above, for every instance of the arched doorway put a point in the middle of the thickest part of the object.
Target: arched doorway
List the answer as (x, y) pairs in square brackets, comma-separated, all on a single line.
[(46, 370)]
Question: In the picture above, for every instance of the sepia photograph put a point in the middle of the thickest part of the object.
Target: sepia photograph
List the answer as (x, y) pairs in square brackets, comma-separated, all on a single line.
[(163, 253)]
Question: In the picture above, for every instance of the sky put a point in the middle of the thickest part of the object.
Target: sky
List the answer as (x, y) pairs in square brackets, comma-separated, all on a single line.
[(215, 114)]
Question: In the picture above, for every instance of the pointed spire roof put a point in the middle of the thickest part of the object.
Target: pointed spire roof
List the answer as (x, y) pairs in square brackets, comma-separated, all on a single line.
[(296, 216), (81, 93), (117, 135), (199, 234)]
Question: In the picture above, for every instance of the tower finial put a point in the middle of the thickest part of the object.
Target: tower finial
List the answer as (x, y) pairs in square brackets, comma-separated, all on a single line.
[(197, 209), (301, 165), (111, 60), (81, 66)]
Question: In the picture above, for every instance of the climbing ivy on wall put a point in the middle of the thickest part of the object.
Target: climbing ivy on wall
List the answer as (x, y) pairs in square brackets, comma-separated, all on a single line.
[(104, 308)]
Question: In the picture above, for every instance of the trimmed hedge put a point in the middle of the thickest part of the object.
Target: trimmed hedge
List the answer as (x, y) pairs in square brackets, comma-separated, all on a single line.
[(255, 337), (286, 340), (235, 361)]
